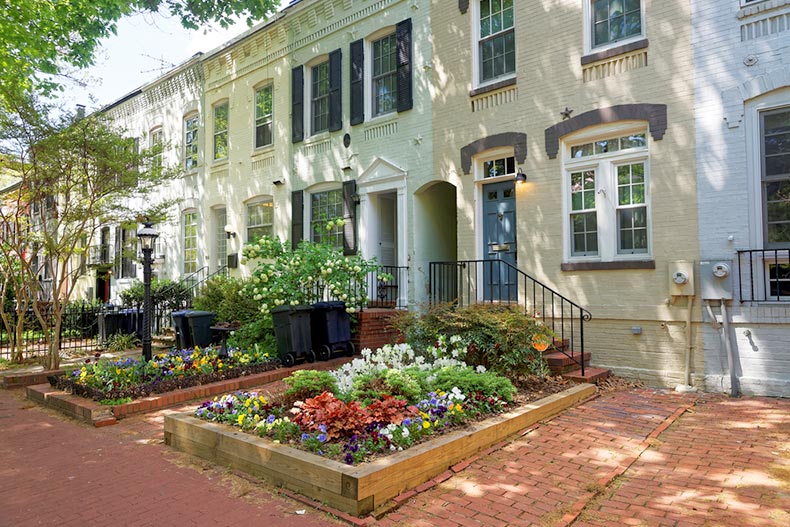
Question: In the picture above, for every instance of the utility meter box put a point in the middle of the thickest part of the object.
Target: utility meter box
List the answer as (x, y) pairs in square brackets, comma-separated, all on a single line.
[(715, 278), (681, 278)]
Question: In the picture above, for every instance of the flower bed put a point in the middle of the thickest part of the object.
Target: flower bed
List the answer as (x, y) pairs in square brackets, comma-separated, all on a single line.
[(383, 402), (131, 378)]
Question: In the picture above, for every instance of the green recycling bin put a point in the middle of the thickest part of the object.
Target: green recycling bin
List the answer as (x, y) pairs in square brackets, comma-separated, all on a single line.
[(292, 331)]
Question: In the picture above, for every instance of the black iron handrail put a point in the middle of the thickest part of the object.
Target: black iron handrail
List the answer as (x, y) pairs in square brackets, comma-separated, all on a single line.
[(764, 275), (488, 281)]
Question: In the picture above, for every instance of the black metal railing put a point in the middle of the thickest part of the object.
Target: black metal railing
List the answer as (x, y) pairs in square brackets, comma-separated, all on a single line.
[(79, 331), (496, 281), (387, 287), (764, 275)]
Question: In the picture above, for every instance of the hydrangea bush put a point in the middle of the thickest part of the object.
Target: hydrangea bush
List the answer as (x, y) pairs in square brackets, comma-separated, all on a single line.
[(312, 272)]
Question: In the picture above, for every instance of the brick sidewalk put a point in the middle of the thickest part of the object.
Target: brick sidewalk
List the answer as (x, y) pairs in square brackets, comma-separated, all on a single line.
[(646, 457)]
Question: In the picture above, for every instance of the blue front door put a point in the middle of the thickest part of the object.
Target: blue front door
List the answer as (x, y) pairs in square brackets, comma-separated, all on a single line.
[(499, 242)]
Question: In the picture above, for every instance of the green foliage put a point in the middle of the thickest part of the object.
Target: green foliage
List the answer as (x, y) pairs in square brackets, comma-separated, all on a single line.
[(165, 294), (41, 38), (468, 381), (370, 387), (303, 384), (311, 272), (501, 337), (255, 334), (225, 296), (121, 342), (115, 402)]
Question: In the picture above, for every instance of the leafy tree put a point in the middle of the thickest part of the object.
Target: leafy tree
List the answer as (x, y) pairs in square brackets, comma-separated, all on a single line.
[(74, 175), (44, 36)]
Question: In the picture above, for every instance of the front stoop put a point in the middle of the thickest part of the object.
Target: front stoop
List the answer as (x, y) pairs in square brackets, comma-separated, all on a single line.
[(561, 364)]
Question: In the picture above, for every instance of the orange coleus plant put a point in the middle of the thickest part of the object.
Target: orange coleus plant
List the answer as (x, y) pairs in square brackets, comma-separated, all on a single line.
[(340, 419)]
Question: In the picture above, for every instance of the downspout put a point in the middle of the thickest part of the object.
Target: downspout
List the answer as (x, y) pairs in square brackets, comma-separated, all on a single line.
[(689, 345), (735, 389)]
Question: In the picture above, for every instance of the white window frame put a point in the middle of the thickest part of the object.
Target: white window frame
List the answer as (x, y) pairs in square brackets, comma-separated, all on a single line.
[(254, 202), (218, 133), (194, 143), (606, 188), (184, 240), (393, 74), (308, 209), (310, 67), (220, 217), (476, 62), (264, 120), (157, 136), (588, 30)]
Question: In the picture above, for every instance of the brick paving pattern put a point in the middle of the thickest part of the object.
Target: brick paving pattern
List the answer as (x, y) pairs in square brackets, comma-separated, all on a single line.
[(641, 458)]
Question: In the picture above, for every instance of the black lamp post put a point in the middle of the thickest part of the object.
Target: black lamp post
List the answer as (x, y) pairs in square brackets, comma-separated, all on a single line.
[(147, 237)]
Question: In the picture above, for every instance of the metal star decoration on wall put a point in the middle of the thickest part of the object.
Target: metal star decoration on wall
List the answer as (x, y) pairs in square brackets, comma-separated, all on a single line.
[(566, 113)]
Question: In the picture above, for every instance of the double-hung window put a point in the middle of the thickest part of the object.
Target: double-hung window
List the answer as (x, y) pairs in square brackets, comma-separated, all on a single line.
[(615, 20), (385, 75), (260, 217), (221, 131), (775, 165), (190, 242), (607, 199), (319, 97), (191, 142), (496, 40), (263, 116), (157, 140), (324, 207)]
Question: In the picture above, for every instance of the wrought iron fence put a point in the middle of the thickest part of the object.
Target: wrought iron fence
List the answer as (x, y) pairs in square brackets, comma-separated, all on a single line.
[(79, 331), (764, 275), (496, 281), (387, 288)]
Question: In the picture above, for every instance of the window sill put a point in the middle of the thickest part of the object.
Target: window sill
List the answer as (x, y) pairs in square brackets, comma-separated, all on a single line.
[(316, 138), (609, 266), (262, 150), (613, 52), (220, 163), (493, 87)]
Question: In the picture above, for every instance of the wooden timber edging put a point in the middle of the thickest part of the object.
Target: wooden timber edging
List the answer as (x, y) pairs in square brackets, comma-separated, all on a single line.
[(91, 412), (356, 490)]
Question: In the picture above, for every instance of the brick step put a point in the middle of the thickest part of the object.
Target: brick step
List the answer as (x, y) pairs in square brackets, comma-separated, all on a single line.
[(591, 375), (560, 363)]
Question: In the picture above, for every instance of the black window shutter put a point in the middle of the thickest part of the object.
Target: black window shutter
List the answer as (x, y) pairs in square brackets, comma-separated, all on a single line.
[(116, 265), (297, 104), (357, 82), (297, 217), (335, 91), (403, 43), (350, 215)]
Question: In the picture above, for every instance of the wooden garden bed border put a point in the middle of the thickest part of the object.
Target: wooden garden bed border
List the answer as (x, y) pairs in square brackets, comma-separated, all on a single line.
[(356, 490)]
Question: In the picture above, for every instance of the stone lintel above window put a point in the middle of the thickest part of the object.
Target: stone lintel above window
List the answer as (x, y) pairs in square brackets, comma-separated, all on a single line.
[(609, 266), (517, 140), (463, 6), (613, 52), (655, 114), (493, 87)]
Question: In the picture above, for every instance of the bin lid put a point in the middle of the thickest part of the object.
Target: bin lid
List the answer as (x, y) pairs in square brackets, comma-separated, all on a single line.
[(193, 314), (180, 313), (332, 304), (286, 307)]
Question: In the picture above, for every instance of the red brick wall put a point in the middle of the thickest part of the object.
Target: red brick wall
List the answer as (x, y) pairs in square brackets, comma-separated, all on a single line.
[(373, 329)]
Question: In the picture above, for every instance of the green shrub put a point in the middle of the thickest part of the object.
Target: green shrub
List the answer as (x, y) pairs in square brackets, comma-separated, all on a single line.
[(469, 381), (371, 387), (121, 342), (501, 337), (259, 333), (166, 294), (224, 296), (304, 384)]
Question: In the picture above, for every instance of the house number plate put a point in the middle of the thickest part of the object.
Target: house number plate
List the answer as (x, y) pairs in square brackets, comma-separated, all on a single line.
[(499, 247)]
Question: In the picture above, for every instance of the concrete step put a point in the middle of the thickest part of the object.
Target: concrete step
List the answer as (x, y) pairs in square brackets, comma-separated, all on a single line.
[(591, 375)]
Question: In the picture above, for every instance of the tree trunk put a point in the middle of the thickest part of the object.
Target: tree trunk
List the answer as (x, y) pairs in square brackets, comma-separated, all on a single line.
[(18, 347), (53, 362)]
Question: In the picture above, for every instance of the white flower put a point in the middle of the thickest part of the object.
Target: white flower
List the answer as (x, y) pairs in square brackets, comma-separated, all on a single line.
[(480, 369), (405, 432)]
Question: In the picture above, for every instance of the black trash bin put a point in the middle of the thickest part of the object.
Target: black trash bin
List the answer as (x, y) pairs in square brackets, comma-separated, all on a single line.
[(181, 326), (109, 324), (292, 330), (132, 321), (331, 329), (200, 323)]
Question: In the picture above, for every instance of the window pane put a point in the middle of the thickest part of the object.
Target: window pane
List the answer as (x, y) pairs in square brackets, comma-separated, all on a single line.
[(779, 233), (779, 275), (582, 150), (601, 33), (777, 122), (777, 165), (600, 10), (777, 143), (632, 141), (320, 97), (221, 131), (584, 235), (325, 206), (615, 8)]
